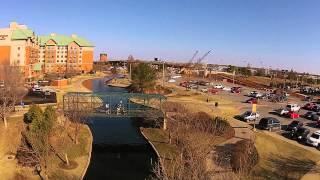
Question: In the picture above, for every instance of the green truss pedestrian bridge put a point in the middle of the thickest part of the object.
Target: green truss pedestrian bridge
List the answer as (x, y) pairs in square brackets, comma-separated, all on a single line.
[(114, 104)]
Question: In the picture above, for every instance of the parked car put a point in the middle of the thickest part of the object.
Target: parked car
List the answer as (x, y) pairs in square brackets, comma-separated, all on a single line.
[(252, 101), (293, 107), (292, 115), (184, 84), (236, 90), (318, 124), (316, 108), (213, 91), (294, 125), (281, 111), (226, 89), (204, 83), (218, 86), (249, 116), (37, 90), (309, 106), (255, 94), (315, 117), (171, 81), (300, 134), (269, 123), (1, 84), (309, 115), (314, 139), (204, 90)]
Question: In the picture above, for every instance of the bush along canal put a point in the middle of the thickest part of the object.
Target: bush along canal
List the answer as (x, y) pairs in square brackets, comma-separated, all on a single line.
[(119, 150)]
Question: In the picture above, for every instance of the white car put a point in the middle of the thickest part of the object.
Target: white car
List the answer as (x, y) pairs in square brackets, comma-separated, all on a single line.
[(314, 139), (218, 86), (226, 89), (293, 107), (37, 89), (282, 112), (249, 116), (204, 90), (172, 81), (176, 77), (255, 94)]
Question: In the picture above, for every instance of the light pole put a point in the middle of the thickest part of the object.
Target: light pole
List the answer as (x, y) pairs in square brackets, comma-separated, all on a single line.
[(162, 73)]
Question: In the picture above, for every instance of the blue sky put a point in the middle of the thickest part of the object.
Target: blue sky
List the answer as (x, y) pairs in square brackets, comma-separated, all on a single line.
[(276, 33)]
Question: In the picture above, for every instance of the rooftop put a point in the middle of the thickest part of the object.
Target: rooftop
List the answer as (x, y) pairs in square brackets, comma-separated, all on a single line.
[(63, 40)]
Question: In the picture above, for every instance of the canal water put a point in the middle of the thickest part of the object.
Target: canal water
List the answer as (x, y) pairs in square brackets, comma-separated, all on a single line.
[(119, 150)]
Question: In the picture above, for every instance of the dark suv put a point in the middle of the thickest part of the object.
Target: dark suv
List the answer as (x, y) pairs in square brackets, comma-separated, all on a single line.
[(269, 123), (294, 125), (300, 134)]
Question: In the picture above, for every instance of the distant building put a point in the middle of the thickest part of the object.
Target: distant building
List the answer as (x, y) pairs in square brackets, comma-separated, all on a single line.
[(20, 46), (103, 57)]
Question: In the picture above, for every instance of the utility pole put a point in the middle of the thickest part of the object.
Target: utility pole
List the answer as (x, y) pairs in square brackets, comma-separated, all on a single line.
[(234, 72), (162, 73), (130, 71)]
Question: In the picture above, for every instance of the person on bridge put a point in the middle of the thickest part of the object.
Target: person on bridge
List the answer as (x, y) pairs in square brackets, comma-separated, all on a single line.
[(107, 109)]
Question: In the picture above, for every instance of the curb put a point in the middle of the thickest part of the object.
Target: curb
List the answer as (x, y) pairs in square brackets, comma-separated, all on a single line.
[(155, 149), (89, 155)]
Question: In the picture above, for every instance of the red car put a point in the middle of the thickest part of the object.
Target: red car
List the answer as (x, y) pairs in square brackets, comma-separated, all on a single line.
[(236, 90), (309, 106), (184, 84), (252, 101), (213, 91), (293, 115)]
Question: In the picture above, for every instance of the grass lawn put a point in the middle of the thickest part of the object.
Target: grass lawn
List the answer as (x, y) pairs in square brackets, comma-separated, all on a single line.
[(160, 139), (281, 160)]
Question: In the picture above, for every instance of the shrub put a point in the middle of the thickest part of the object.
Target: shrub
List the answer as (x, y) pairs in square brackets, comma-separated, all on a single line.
[(173, 107), (223, 128), (34, 112)]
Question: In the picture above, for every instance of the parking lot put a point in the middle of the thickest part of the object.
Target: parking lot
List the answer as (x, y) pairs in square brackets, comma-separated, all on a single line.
[(264, 107)]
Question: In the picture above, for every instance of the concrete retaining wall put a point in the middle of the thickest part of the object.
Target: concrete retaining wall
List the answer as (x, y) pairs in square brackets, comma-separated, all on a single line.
[(155, 149), (89, 155)]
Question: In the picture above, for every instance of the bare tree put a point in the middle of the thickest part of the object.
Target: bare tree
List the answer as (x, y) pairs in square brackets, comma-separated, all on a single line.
[(77, 114), (194, 135), (11, 91)]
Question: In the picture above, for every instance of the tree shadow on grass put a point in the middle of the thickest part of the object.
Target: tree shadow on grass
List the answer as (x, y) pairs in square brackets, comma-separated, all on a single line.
[(279, 167)]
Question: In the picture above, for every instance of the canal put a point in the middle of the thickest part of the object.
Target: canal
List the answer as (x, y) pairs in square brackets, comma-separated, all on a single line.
[(119, 151)]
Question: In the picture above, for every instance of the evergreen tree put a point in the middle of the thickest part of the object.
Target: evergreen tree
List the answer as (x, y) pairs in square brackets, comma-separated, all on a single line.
[(143, 77)]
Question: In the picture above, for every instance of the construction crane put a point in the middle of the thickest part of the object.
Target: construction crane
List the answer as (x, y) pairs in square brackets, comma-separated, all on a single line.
[(194, 55), (202, 58)]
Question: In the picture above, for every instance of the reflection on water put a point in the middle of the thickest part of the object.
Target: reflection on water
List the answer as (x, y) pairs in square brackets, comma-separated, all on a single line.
[(119, 150)]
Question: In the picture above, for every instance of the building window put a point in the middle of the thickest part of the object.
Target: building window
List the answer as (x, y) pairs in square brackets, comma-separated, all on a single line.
[(18, 48), (18, 55), (58, 56)]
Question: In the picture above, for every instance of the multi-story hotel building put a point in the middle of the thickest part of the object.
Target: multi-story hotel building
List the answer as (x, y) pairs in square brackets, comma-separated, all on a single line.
[(36, 55)]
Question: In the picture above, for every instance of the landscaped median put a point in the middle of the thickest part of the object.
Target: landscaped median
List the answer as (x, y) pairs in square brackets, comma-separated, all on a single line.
[(120, 82)]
